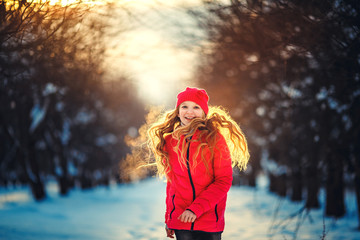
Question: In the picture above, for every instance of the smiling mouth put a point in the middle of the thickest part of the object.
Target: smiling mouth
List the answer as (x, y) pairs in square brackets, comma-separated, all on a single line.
[(189, 118)]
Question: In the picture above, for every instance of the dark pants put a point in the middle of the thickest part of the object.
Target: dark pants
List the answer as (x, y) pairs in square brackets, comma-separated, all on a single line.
[(196, 235)]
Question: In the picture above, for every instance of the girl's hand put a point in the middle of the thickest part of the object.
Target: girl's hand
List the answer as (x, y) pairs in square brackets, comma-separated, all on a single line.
[(187, 216), (169, 232)]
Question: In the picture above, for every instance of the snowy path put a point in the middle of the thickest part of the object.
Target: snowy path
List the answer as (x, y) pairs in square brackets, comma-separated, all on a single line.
[(136, 211)]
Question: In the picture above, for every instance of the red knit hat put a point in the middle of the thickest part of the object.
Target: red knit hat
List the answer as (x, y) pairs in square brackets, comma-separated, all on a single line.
[(196, 95)]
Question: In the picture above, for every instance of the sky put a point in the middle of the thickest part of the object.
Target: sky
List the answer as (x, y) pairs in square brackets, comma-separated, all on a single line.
[(156, 51)]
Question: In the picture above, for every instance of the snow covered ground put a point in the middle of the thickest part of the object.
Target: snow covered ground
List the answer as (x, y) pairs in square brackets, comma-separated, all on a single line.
[(136, 211)]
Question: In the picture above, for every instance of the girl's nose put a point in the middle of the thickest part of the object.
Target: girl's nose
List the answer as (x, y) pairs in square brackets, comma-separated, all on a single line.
[(190, 110)]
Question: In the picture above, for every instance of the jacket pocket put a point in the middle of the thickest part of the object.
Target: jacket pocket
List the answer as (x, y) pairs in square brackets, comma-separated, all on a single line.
[(173, 202), (216, 213)]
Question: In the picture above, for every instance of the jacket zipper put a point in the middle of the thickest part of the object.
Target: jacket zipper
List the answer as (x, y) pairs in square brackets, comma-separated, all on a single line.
[(191, 181), (173, 199)]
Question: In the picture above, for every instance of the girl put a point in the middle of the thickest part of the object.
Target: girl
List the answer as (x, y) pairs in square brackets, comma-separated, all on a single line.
[(195, 148)]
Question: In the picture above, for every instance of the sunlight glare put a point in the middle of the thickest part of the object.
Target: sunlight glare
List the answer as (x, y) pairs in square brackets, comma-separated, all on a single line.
[(71, 2), (140, 2), (159, 68), (152, 90), (63, 3), (162, 3)]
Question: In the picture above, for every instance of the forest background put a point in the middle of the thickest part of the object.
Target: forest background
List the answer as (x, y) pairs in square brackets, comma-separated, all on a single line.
[(77, 85)]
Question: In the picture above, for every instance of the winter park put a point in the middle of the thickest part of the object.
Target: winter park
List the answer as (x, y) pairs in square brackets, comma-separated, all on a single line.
[(160, 119)]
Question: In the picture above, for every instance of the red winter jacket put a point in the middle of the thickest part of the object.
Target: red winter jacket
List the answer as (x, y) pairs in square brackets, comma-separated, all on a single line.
[(194, 189)]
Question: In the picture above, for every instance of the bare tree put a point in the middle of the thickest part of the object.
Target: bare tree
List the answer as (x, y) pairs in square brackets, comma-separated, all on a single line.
[(58, 117)]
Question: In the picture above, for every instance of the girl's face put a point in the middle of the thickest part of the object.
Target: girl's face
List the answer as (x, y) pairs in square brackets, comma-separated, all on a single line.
[(189, 110)]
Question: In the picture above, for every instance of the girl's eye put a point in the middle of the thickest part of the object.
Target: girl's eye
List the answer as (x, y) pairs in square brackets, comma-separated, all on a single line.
[(196, 107), (184, 107)]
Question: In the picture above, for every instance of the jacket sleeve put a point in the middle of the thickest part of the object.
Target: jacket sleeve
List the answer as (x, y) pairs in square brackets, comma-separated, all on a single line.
[(222, 180)]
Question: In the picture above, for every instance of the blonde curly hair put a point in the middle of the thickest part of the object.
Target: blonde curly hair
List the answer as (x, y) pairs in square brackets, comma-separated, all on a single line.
[(216, 121)]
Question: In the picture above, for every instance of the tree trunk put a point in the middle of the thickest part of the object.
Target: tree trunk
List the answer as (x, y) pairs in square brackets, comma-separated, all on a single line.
[(335, 188), (357, 189), (357, 184), (312, 185), (296, 194), (27, 156), (272, 183), (56, 149), (278, 184), (36, 184), (63, 180), (356, 139), (281, 185), (312, 178), (85, 180), (252, 178), (254, 165), (37, 188)]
